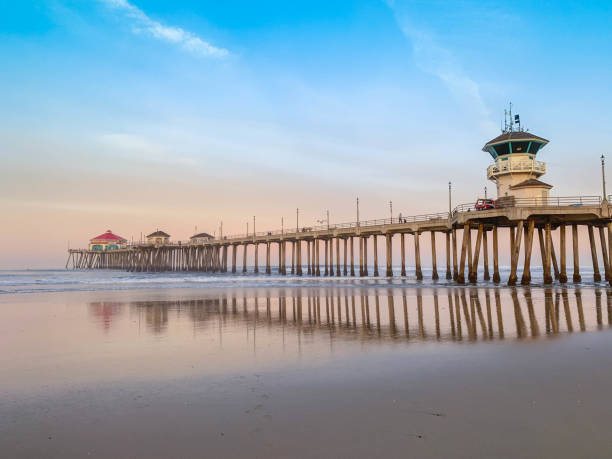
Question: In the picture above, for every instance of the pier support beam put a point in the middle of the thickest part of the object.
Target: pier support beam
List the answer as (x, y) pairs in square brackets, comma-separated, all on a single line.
[(464, 248), (345, 257), (331, 256), (555, 265), (317, 256), (365, 256), (326, 273), (562, 255), (434, 260), (352, 256), (337, 256), (403, 255), (360, 255), (455, 265), (469, 251), (496, 277), (516, 245), (298, 257), (292, 257), (268, 268), (604, 252), (244, 258), (313, 257), (234, 252), (576, 277), (596, 273), (543, 255), (473, 274), (485, 255), (526, 279), (547, 254), (375, 239), (417, 256), (389, 237), (308, 251), (256, 270), (448, 255)]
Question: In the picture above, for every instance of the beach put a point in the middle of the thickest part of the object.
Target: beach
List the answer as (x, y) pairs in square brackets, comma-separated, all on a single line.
[(359, 369)]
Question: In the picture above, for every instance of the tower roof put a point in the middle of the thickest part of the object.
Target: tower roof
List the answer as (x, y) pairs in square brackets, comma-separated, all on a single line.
[(200, 235), (108, 236), (158, 234), (514, 135), (531, 183)]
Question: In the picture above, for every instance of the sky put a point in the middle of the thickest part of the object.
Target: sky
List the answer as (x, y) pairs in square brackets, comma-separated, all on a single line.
[(137, 115)]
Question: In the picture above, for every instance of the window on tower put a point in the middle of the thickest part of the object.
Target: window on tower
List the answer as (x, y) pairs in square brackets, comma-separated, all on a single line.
[(520, 147), (535, 146), (502, 149)]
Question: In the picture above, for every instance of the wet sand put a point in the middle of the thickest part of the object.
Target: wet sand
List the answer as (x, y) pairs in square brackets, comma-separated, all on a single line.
[(301, 373)]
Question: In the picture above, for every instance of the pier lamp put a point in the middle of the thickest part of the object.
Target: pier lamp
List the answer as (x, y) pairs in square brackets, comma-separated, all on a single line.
[(603, 176), (449, 199)]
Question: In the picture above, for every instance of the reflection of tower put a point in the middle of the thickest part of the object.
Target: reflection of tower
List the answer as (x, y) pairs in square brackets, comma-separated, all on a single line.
[(515, 170)]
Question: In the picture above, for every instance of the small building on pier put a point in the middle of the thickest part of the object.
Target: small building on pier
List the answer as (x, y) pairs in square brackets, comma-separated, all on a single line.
[(200, 238), (107, 241), (158, 238), (515, 170)]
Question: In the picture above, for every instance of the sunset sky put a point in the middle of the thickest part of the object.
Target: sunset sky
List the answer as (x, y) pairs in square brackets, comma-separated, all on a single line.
[(144, 114)]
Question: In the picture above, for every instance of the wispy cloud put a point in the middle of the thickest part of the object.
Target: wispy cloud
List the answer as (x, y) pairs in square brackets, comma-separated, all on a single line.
[(142, 23), (436, 59)]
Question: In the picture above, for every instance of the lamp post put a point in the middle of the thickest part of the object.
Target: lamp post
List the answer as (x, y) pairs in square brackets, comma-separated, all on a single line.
[(282, 226), (449, 201), (391, 210), (253, 226), (297, 220), (603, 176), (357, 211)]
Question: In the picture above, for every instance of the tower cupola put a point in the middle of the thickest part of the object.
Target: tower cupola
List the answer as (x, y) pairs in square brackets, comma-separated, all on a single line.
[(515, 169)]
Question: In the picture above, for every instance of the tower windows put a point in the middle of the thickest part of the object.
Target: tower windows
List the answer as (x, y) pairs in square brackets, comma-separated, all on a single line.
[(520, 147)]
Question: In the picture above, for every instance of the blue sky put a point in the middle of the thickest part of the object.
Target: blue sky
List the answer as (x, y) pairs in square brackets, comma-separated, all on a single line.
[(139, 114)]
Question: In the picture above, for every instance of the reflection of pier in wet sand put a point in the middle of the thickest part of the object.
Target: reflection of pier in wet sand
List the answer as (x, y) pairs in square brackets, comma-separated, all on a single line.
[(447, 314)]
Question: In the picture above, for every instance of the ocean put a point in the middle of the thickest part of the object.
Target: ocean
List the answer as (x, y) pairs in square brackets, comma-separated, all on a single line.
[(116, 364)]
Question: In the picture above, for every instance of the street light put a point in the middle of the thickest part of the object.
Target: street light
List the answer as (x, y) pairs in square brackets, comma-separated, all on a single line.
[(297, 220), (603, 176), (449, 200), (391, 210), (326, 220), (357, 211)]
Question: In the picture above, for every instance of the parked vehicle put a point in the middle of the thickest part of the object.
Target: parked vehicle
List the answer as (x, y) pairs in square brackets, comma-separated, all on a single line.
[(484, 204)]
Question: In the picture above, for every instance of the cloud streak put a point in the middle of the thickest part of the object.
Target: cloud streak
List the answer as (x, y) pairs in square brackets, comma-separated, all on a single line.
[(439, 61), (142, 23)]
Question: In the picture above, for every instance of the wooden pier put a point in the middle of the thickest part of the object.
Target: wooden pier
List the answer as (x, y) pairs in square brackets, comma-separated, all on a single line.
[(330, 250)]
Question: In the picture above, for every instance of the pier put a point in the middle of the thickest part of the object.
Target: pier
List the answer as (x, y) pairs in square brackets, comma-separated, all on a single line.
[(470, 237)]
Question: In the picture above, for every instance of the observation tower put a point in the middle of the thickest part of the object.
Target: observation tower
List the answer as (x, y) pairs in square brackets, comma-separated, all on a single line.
[(515, 170)]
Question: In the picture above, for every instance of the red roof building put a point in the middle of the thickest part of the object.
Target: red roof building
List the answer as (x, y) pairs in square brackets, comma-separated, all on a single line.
[(107, 241)]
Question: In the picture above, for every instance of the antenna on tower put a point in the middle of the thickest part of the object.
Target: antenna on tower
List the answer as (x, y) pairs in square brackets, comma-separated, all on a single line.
[(511, 119)]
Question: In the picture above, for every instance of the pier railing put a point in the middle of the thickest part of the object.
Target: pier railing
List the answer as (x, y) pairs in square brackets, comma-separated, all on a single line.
[(565, 201), (348, 225)]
